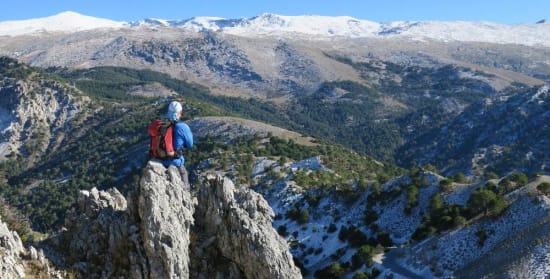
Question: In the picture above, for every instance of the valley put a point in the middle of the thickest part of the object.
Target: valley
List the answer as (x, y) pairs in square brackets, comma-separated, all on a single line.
[(434, 153)]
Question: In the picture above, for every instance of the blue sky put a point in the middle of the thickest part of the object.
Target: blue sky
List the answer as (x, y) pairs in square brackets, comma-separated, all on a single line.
[(501, 11)]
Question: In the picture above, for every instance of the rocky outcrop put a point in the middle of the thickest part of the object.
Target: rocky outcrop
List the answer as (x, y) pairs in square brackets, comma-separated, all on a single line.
[(102, 237), (238, 222), (161, 231), (18, 261), (11, 249), (166, 216)]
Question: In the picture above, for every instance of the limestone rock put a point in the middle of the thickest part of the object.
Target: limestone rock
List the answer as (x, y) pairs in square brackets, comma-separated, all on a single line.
[(166, 213), (241, 222), (11, 249), (162, 231)]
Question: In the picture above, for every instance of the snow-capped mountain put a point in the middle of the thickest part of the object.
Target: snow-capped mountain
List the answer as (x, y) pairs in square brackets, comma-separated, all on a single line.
[(63, 22), (537, 34)]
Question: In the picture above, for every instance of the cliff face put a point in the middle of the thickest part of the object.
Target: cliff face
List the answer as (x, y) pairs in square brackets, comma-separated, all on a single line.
[(34, 115), (237, 224), (162, 231)]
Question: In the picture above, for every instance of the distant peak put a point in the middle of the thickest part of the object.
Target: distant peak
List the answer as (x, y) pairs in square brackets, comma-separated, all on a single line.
[(267, 15), (68, 13), (71, 15), (67, 21), (268, 18)]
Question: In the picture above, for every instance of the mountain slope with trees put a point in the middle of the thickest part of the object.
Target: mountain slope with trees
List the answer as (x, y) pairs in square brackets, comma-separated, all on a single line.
[(336, 207)]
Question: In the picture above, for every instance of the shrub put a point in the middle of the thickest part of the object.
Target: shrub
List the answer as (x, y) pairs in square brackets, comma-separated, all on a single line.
[(491, 175), (459, 177), (384, 239), (332, 228), (492, 187), (446, 184), (335, 270), (520, 178), (430, 167), (370, 216), (412, 198), (300, 216), (361, 275), (544, 188), (481, 237), (282, 230), (366, 252), (486, 201), (436, 203)]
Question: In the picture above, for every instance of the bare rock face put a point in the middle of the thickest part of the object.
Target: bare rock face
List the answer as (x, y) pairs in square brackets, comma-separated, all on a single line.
[(102, 237), (166, 215), (238, 222), (162, 232), (18, 261), (11, 249), (33, 115)]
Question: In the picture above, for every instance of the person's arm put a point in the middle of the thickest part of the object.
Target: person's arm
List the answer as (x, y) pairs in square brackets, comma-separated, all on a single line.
[(187, 135)]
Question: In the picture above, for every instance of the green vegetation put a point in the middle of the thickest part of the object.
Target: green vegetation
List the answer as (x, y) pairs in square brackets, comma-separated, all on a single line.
[(347, 120), (335, 270), (346, 167), (481, 237), (486, 201), (114, 83), (14, 219), (544, 188), (412, 198), (459, 177), (11, 68), (96, 159), (446, 184), (442, 217), (105, 147), (363, 256), (299, 215)]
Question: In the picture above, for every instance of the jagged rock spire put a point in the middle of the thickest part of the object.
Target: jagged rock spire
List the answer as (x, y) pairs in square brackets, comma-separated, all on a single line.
[(239, 221), (163, 232)]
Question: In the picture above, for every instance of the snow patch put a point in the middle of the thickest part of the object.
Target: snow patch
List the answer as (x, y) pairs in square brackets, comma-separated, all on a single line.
[(313, 164)]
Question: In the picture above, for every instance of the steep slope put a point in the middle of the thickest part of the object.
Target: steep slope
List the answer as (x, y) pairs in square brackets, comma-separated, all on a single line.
[(35, 111), (515, 243), (330, 224), (501, 134)]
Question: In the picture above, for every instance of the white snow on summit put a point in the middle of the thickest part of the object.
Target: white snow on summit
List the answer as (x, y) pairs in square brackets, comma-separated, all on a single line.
[(63, 22), (311, 25), (524, 34), (307, 26)]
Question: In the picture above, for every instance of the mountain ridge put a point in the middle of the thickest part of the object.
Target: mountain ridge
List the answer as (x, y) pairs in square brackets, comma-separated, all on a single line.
[(324, 27)]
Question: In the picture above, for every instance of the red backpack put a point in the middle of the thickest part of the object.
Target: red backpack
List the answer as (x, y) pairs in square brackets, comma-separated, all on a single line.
[(161, 132)]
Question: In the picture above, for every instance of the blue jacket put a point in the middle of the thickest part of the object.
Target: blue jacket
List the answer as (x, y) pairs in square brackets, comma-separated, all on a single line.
[(182, 138)]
